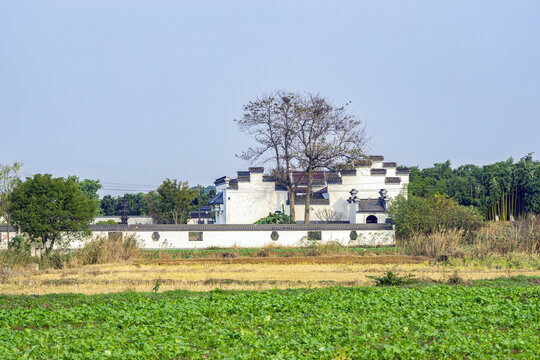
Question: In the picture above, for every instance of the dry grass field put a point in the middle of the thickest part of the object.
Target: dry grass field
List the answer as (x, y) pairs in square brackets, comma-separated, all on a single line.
[(235, 274)]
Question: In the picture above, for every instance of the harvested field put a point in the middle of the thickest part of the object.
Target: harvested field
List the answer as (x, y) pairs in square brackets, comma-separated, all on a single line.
[(348, 259), (231, 274)]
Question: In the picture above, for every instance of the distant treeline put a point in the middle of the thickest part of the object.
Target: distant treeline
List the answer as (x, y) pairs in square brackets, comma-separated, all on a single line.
[(504, 189), (137, 204)]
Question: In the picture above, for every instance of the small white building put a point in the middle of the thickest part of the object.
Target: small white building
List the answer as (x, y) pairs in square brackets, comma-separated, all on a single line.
[(360, 195)]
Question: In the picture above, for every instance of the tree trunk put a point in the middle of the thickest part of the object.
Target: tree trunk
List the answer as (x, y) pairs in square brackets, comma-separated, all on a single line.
[(7, 219), (45, 245), (308, 194), (292, 210)]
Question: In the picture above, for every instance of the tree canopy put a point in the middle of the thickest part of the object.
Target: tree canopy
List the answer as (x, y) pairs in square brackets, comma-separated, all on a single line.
[(501, 190), (50, 209), (90, 189), (301, 132), (9, 176), (171, 202), (136, 204)]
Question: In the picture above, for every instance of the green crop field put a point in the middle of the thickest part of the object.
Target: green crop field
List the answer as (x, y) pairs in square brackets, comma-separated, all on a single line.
[(431, 322), (250, 252)]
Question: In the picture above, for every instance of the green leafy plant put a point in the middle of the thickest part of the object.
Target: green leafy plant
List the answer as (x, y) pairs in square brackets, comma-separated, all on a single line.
[(157, 285), (434, 322), (392, 279), (279, 217)]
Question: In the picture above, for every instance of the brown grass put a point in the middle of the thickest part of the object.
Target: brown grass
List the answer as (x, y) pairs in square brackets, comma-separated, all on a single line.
[(310, 259), (502, 239), (204, 276), (110, 249)]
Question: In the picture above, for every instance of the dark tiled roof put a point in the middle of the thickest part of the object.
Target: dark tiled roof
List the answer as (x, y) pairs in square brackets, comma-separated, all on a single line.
[(238, 227), (220, 180), (269, 178), (348, 172), (200, 213), (392, 180), (378, 171), (243, 179), (376, 157), (366, 162), (256, 169), (280, 188), (302, 178), (370, 205), (233, 184), (218, 199), (303, 189), (314, 201), (243, 173), (333, 178), (402, 171), (389, 164)]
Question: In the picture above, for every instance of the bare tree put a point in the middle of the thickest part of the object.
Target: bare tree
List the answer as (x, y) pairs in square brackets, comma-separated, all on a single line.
[(328, 138), (9, 175), (272, 121), (301, 132), (328, 215)]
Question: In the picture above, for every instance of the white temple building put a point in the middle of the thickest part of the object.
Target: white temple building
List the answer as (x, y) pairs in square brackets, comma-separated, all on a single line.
[(358, 196)]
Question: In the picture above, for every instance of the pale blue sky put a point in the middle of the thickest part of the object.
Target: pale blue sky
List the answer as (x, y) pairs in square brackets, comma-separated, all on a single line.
[(133, 92)]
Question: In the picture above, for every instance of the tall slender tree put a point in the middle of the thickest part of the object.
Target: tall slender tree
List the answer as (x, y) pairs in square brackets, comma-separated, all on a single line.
[(9, 175)]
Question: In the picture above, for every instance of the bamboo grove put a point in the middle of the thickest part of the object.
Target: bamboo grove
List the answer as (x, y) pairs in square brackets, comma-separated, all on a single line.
[(504, 190)]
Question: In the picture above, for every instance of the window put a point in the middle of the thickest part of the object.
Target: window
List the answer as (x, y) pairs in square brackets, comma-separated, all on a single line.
[(314, 235), (195, 236)]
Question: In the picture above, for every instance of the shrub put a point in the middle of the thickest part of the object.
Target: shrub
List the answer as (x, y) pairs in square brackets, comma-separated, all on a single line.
[(106, 222), (228, 255), (115, 248), (391, 279), (262, 253), (279, 217), (455, 279), (434, 245), (503, 240), (423, 216)]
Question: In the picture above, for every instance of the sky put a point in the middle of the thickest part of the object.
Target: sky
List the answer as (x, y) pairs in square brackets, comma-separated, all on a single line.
[(133, 92)]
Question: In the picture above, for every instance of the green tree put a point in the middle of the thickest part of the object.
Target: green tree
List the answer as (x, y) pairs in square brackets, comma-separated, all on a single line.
[(503, 190), (136, 204), (205, 194), (9, 176), (90, 189), (424, 215), (51, 210), (171, 202)]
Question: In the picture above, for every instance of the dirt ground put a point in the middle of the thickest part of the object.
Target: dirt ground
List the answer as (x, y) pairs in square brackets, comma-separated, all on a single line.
[(234, 274)]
